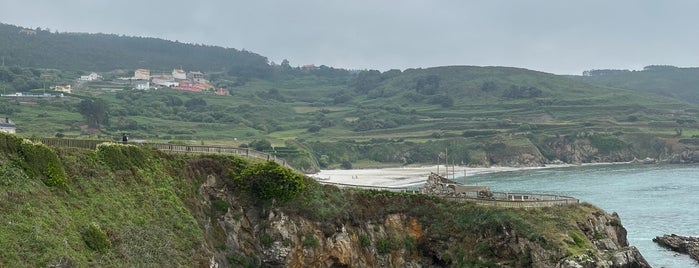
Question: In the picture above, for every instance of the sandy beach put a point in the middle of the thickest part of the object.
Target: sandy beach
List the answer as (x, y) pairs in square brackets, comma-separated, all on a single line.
[(404, 176)]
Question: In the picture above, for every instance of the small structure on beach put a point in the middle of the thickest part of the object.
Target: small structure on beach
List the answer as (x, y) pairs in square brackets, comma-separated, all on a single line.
[(438, 185)]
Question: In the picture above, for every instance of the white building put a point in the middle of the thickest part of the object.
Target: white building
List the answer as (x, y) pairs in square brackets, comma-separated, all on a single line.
[(7, 126), (90, 77), (65, 89), (141, 84), (165, 82), (197, 77), (179, 74)]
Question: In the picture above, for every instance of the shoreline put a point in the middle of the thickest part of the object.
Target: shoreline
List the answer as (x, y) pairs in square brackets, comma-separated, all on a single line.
[(401, 177)]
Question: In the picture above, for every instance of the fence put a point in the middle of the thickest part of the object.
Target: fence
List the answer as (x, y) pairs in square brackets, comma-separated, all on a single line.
[(369, 187), (516, 200), (177, 148), (498, 199)]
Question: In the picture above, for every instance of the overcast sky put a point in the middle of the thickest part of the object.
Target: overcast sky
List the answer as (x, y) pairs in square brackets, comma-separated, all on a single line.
[(556, 36)]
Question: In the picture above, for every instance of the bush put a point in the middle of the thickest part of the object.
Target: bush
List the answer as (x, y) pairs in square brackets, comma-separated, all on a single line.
[(364, 240), (220, 205), (383, 246), (121, 156), (310, 242), (37, 160), (270, 181), (96, 239)]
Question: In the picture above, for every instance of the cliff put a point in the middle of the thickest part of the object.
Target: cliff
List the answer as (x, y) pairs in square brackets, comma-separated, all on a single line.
[(280, 237), (122, 205)]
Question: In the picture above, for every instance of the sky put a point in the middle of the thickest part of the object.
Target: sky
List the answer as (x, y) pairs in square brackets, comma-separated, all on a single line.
[(555, 36)]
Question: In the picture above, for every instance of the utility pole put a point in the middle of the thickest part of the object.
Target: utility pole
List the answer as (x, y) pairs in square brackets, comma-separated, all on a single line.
[(446, 161)]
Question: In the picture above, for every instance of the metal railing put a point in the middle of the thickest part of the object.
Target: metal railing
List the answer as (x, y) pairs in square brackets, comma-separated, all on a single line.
[(516, 200), (498, 199)]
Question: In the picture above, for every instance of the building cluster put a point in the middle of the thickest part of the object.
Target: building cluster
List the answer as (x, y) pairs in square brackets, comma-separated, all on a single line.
[(179, 80)]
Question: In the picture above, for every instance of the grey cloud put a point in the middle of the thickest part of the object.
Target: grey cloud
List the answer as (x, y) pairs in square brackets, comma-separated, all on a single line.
[(546, 35)]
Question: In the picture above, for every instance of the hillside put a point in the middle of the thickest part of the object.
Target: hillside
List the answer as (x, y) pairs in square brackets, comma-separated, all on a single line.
[(123, 205), (669, 81), (322, 117), (40, 48)]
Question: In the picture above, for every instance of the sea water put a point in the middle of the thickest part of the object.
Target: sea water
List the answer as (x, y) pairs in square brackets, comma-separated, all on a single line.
[(652, 200)]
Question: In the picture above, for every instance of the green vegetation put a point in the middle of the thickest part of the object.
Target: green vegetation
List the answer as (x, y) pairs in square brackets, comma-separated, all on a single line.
[(270, 181), (333, 118), (37, 160), (96, 239), (129, 206), (663, 80)]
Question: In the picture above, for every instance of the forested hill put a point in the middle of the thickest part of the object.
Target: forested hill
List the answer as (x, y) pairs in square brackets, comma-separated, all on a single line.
[(40, 48), (669, 81)]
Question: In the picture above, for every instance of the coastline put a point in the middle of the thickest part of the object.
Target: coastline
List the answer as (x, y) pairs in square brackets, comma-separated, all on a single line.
[(400, 177)]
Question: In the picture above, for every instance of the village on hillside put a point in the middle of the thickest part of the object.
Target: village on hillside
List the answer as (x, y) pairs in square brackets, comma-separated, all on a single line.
[(143, 79)]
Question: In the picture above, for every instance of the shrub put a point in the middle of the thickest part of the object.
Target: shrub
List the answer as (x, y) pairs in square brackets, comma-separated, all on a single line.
[(220, 205), (270, 181), (37, 160), (577, 239), (122, 156), (266, 240), (364, 240), (383, 246), (310, 242), (95, 238)]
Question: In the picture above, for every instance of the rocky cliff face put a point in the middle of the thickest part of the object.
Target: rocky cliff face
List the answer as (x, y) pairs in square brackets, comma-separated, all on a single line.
[(682, 244), (582, 151), (248, 236)]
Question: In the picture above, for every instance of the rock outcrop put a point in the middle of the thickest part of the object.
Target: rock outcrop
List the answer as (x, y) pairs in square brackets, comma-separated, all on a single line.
[(249, 236), (682, 244)]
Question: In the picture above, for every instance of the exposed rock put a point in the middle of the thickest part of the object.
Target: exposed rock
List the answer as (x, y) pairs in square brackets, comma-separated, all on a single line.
[(682, 244), (273, 238)]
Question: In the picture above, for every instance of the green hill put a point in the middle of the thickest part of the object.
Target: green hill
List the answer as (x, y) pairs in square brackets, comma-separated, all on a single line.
[(668, 81), (326, 116), (37, 48)]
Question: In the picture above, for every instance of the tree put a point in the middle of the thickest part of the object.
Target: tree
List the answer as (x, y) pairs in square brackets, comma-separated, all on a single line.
[(488, 86), (270, 181), (366, 80), (285, 64), (94, 112), (195, 103), (428, 85), (261, 145)]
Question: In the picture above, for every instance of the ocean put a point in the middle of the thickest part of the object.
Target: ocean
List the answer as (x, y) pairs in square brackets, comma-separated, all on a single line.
[(652, 200)]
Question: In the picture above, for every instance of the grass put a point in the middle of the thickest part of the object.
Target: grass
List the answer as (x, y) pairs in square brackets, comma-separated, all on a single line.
[(140, 213), (282, 110), (126, 208)]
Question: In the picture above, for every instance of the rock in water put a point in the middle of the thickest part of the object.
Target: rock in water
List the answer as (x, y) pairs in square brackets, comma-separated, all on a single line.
[(682, 244)]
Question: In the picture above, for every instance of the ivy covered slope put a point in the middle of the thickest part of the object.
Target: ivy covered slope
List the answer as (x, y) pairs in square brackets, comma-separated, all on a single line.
[(123, 205)]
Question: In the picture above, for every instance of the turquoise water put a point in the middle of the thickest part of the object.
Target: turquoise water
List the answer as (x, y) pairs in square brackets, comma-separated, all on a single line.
[(652, 200)]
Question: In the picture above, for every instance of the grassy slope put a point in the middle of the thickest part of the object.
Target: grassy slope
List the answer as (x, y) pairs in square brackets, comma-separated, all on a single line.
[(149, 207), (139, 209)]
